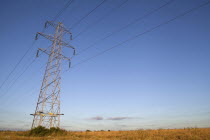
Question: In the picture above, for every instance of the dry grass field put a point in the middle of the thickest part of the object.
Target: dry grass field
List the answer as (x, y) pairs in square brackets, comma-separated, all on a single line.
[(160, 134)]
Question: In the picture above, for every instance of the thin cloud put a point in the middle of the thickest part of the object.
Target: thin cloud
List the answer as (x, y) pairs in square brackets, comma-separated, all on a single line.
[(118, 118), (98, 118)]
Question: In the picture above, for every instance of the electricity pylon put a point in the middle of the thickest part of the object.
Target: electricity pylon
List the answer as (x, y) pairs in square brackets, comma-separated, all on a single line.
[(47, 111)]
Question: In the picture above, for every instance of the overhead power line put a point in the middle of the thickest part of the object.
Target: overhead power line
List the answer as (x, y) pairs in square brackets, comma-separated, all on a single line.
[(86, 15), (126, 26), (31, 46), (21, 85), (18, 63), (141, 34), (12, 84), (92, 25), (62, 10), (145, 32), (18, 78), (59, 13)]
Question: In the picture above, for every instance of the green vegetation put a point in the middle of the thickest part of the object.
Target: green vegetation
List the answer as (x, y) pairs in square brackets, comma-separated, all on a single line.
[(41, 131)]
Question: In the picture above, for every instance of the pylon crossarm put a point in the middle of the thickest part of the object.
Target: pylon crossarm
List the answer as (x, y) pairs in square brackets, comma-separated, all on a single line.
[(45, 51), (67, 45), (51, 38), (48, 53), (60, 42), (55, 25), (50, 23)]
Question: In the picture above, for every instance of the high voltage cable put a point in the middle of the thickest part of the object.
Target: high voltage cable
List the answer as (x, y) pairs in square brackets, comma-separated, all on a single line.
[(31, 46), (18, 63), (75, 24), (129, 24), (147, 31), (62, 10), (22, 73), (18, 78), (11, 85), (92, 25), (143, 33), (59, 13), (27, 80), (138, 35), (81, 20), (8, 83)]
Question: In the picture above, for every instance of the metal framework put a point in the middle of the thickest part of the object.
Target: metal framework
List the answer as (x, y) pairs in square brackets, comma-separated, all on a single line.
[(47, 111)]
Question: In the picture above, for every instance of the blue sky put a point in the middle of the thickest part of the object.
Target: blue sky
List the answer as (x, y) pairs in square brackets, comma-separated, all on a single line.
[(159, 80)]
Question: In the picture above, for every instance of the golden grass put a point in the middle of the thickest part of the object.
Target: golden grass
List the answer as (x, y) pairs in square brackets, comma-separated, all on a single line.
[(160, 134)]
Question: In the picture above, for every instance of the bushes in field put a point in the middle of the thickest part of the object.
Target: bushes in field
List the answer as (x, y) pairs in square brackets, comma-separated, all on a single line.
[(42, 131)]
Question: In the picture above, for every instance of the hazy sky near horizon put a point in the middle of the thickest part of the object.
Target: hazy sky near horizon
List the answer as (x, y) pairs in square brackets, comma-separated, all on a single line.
[(159, 80)]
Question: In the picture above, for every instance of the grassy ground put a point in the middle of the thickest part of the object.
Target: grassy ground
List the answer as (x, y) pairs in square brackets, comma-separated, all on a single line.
[(161, 134)]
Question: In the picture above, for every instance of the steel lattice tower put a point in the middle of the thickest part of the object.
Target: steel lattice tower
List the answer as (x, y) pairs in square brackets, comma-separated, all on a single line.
[(47, 111)]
